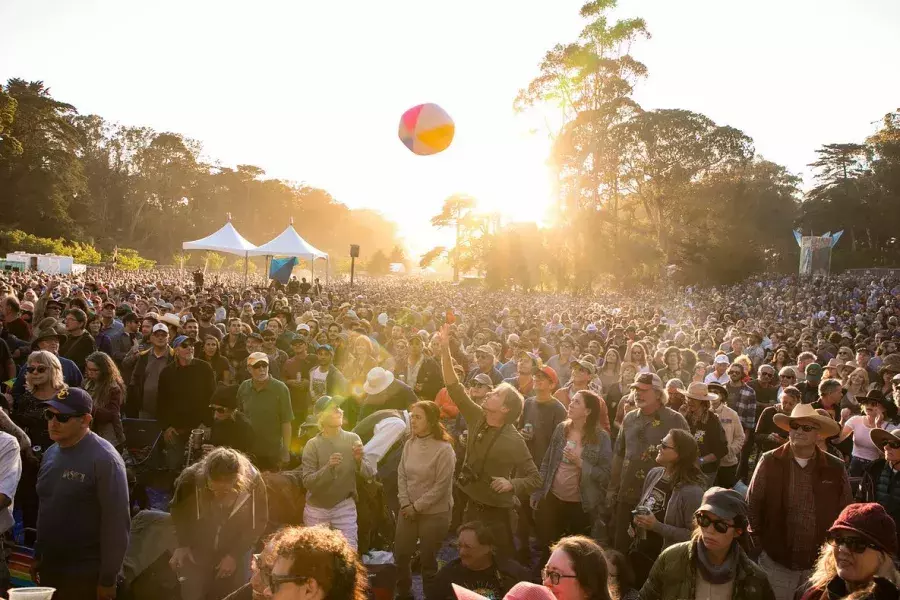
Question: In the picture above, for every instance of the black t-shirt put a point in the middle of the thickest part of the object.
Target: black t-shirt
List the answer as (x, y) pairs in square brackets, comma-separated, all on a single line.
[(657, 502), (544, 417), (234, 433), (492, 583)]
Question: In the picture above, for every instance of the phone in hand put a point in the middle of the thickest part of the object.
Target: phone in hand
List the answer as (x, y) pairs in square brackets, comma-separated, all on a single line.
[(451, 318)]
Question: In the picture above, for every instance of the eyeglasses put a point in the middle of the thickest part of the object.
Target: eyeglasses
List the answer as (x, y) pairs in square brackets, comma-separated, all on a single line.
[(260, 365), (275, 581), (554, 577), (807, 428), (735, 373), (39, 370), (218, 409), (854, 545), (660, 446), (720, 526), (787, 377), (893, 445), (60, 418)]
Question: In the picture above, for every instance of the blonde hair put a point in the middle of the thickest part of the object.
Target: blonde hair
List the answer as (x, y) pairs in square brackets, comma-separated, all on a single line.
[(49, 360), (864, 373), (826, 570)]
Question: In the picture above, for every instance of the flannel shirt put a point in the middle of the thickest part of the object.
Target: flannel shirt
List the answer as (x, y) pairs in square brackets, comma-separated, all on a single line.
[(742, 400)]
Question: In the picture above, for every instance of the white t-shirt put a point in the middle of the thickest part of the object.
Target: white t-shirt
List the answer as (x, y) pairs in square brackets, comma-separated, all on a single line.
[(318, 382), (862, 439)]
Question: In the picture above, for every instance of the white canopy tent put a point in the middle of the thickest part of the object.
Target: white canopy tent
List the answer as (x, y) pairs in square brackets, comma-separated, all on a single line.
[(227, 239), (289, 243)]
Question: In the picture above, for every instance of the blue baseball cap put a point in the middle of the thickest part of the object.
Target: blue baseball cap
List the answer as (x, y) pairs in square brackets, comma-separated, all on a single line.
[(179, 340), (326, 347), (72, 401)]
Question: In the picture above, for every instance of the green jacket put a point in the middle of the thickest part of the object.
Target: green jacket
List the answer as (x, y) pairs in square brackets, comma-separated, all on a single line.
[(667, 580)]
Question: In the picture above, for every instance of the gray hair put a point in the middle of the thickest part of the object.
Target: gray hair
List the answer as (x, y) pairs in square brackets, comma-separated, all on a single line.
[(49, 360), (829, 385)]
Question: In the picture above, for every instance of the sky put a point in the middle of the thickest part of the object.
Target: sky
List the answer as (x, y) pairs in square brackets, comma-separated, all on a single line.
[(313, 91)]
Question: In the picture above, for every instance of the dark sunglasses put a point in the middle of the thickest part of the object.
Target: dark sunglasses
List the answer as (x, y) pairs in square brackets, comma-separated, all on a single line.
[(60, 418), (735, 373), (554, 577), (218, 409), (854, 545), (807, 428), (276, 581), (31, 369), (720, 526), (660, 446), (787, 377), (260, 365), (893, 445)]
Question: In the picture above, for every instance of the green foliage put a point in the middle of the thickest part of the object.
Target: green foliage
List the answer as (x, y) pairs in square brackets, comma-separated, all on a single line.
[(128, 259), (238, 265), (19, 241), (78, 176), (213, 260)]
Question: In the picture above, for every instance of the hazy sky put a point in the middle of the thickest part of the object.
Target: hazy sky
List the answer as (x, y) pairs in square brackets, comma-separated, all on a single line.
[(313, 91)]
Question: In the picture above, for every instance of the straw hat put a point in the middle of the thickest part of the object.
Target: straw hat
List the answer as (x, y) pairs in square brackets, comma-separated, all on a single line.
[(699, 391), (828, 427), (377, 381)]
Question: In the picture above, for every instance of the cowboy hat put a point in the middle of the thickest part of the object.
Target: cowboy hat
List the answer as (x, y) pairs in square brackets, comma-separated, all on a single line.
[(828, 427), (890, 364), (877, 396), (377, 381), (880, 437), (698, 391), (170, 319)]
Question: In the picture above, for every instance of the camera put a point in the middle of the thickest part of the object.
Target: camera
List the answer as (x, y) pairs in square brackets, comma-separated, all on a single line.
[(466, 476)]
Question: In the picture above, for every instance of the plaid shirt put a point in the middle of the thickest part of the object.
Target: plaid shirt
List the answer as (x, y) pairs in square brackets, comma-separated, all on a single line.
[(742, 400)]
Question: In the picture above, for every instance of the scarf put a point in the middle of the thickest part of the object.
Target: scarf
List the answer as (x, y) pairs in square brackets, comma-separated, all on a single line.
[(716, 574)]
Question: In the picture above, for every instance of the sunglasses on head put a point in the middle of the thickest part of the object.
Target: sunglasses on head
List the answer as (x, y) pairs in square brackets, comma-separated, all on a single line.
[(704, 521), (854, 545), (60, 418), (807, 428), (32, 369)]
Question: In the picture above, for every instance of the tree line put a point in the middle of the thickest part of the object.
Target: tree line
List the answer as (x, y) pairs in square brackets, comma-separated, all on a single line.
[(80, 178), (648, 194)]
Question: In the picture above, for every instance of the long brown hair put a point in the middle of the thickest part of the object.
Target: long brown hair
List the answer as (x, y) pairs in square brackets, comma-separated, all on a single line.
[(686, 470), (592, 403), (109, 379), (433, 417)]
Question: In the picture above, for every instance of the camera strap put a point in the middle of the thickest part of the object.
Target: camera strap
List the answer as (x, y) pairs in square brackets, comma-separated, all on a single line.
[(487, 450)]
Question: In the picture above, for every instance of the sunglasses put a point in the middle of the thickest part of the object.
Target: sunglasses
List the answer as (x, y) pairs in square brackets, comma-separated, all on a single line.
[(662, 447), (854, 545), (39, 370), (893, 445), (735, 373), (720, 526), (555, 577), (276, 581), (807, 428), (60, 418), (787, 377), (260, 365), (218, 409)]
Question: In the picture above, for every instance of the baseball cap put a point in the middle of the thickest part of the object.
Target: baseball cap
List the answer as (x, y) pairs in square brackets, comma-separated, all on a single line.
[(303, 327), (549, 373), (483, 379), (326, 347), (724, 503), (814, 369), (71, 401), (180, 340), (642, 380), (257, 357), (109, 303), (323, 403), (722, 360), (585, 365), (484, 349)]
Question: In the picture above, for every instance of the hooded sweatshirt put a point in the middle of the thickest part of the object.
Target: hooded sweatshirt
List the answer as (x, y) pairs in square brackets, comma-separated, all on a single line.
[(211, 531)]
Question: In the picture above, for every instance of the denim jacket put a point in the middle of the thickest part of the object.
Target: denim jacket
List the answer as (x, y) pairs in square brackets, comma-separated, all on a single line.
[(597, 459)]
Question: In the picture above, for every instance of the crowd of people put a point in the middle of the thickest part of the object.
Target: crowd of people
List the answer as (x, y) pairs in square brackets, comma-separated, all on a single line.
[(657, 443)]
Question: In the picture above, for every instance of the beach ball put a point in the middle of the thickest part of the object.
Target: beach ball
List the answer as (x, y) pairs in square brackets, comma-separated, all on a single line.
[(426, 129)]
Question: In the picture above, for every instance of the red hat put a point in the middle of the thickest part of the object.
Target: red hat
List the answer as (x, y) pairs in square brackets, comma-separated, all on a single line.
[(550, 374), (871, 522)]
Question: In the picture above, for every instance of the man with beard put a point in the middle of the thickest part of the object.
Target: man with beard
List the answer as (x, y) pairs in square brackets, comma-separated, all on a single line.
[(742, 400)]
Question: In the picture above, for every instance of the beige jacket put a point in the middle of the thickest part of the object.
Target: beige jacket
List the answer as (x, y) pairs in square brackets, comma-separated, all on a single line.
[(734, 433)]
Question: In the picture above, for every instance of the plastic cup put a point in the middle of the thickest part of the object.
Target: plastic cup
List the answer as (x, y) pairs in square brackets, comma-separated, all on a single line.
[(32, 593)]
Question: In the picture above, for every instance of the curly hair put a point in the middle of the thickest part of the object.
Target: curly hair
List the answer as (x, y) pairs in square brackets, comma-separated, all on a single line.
[(325, 556)]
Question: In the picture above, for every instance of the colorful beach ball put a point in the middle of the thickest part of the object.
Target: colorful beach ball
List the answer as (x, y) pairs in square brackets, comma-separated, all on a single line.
[(426, 129)]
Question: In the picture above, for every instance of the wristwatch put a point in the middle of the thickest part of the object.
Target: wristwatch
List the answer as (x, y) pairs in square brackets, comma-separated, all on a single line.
[(701, 460)]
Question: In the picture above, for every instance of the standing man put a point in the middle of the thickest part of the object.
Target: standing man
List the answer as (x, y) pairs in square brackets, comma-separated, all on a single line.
[(78, 343), (766, 388), (267, 403), (795, 495), (326, 379), (497, 466), (742, 400), (144, 385), (635, 451), (10, 473), (12, 319), (720, 366), (185, 387), (125, 340), (83, 519), (484, 358)]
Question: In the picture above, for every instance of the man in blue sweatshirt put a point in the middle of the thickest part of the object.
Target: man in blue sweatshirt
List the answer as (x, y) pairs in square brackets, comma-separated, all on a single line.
[(83, 520)]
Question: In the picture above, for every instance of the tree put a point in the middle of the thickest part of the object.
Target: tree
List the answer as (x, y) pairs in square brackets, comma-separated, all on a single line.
[(458, 212), (213, 261), (379, 264)]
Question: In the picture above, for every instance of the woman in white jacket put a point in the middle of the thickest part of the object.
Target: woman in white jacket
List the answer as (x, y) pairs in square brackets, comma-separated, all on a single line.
[(734, 433)]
